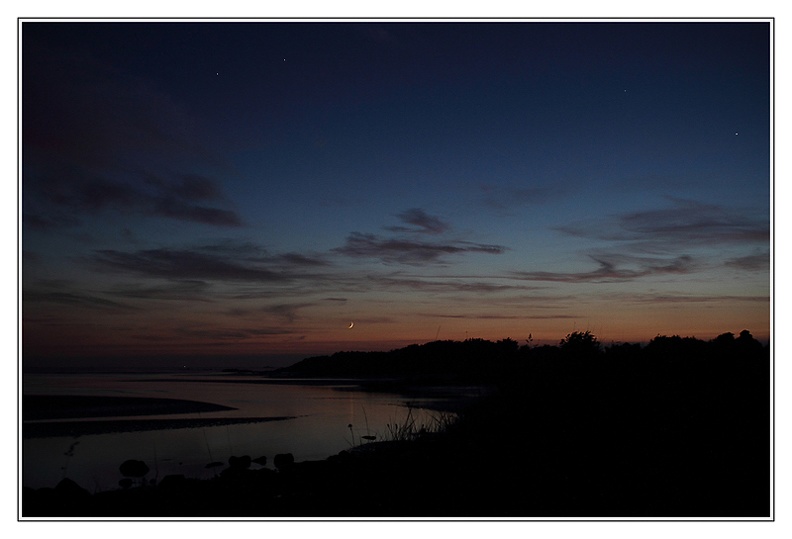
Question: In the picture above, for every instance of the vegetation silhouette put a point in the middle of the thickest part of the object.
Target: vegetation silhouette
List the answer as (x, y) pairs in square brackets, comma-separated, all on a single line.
[(679, 427)]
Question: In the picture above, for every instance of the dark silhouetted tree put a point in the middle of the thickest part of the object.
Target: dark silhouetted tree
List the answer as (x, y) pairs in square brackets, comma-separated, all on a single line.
[(580, 344), (747, 345)]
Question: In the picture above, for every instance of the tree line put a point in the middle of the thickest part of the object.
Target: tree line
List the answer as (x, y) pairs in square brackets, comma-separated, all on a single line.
[(480, 360)]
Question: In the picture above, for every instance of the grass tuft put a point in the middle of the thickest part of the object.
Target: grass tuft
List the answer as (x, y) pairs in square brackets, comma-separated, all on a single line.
[(410, 429)]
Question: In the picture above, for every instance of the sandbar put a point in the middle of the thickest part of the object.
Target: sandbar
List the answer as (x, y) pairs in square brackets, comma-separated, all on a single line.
[(38, 407), (49, 429)]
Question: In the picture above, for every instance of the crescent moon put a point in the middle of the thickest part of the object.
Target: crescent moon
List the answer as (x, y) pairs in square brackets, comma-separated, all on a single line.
[(351, 325)]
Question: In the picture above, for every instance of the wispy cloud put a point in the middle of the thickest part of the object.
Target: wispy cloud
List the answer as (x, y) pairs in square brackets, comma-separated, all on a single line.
[(73, 299), (75, 103), (233, 335), (664, 297), (60, 201), (407, 251), (500, 316), (443, 284), (249, 252), (302, 260), (223, 270), (757, 262), (688, 222), (88, 126), (184, 264), (420, 222), (286, 312), (615, 268), (508, 197), (657, 242), (405, 248), (175, 290), (175, 209)]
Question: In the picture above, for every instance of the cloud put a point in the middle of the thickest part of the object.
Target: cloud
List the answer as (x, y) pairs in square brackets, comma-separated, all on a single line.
[(92, 134), (615, 268), (236, 249), (297, 259), (287, 312), (190, 273), (421, 222), (193, 187), (62, 200), (654, 298), (758, 262), (688, 222), (443, 285), (191, 290), (233, 335), (81, 110), (688, 225), (31, 221), (73, 299), (407, 251), (198, 214), (184, 265), (181, 197), (404, 248), (506, 197), (501, 316)]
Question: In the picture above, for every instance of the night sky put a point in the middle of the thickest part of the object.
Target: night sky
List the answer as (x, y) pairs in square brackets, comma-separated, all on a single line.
[(253, 188)]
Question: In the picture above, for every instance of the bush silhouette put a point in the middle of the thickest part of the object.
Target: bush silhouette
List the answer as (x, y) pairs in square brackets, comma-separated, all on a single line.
[(580, 344)]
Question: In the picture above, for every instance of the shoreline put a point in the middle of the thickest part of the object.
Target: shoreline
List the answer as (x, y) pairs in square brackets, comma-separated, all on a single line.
[(50, 416), (55, 429), (39, 407)]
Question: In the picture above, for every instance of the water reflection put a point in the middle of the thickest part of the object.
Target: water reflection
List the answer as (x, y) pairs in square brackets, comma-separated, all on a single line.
[(321, 415)]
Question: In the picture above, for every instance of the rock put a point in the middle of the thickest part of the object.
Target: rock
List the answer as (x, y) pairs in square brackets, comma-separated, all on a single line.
[(68, 488), (283, 461), (133, 468), (171, 482), (125, 483), (239, 463)]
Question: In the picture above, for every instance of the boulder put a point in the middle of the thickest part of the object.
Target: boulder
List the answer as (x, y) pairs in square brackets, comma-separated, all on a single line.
[(283, 461), (133, 468), (239, 463)]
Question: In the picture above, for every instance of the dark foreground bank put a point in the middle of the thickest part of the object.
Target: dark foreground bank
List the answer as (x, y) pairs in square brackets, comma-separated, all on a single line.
[(679, 428)]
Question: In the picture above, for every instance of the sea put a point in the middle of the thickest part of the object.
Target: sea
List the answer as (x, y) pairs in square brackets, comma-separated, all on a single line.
[(315, 419)]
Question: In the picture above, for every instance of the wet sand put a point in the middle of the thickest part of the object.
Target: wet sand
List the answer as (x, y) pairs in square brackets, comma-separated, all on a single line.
[(81, 428), (38, 407), (44, 415)]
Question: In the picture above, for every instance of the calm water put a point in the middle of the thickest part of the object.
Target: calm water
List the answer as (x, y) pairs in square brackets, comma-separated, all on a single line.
[(318, 430)]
